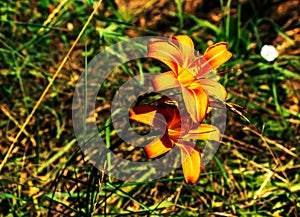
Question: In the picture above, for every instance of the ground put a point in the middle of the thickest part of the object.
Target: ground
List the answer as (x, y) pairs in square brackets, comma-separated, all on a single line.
[(256, 169)]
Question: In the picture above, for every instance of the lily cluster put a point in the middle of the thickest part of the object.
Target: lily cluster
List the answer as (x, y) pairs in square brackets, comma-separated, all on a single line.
[(192, 75)]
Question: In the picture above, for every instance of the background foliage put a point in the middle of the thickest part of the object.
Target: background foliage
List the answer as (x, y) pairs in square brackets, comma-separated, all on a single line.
[(256, 170)]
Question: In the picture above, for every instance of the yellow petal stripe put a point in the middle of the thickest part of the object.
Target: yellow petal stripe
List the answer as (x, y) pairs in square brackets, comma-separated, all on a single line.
[(204, 132), (190, 161), (186, 47), (217, 54), (158, 147)]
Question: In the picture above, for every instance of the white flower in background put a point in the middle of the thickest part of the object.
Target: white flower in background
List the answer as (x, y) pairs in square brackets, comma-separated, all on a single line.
[(269, 52)]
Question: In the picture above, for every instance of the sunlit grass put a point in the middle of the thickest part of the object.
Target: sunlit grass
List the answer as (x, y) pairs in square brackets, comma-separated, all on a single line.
[(256, 169)]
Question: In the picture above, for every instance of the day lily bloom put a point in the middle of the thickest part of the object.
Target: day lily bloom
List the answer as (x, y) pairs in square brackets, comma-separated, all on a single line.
[(177, 130), (189, 72)]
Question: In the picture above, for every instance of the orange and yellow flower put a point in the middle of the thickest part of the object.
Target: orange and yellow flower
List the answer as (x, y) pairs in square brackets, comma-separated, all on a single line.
[(194, 75), (177, 129), (189, 72)]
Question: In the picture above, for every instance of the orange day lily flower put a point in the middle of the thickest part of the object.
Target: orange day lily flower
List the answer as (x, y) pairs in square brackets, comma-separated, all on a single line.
[(175, 133), (190, 72)]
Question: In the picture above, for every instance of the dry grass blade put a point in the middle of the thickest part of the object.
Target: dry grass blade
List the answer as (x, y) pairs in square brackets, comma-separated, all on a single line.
[(6, 112), (48, 86), (52, 15), (261, 167), (284, 149)]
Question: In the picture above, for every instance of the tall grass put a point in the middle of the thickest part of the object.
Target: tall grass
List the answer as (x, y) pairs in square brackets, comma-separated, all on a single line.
[(46, 45)]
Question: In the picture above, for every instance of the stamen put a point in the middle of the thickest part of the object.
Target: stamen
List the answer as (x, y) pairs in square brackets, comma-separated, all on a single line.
[(197, 63)]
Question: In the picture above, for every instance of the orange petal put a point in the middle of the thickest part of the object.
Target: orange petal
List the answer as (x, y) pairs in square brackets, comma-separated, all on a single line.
[(165, 81), (190, 160), (196, 102), (214, 88), (144, 114), (186, 47), (204, 132), (186, 76), (166, 52), (159, 117), (217, 54), (175, 134), (204, 68), (158, 147), (171, 115)]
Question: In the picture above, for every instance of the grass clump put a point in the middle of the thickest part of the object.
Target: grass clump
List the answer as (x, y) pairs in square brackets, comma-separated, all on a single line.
[(256, 169)]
